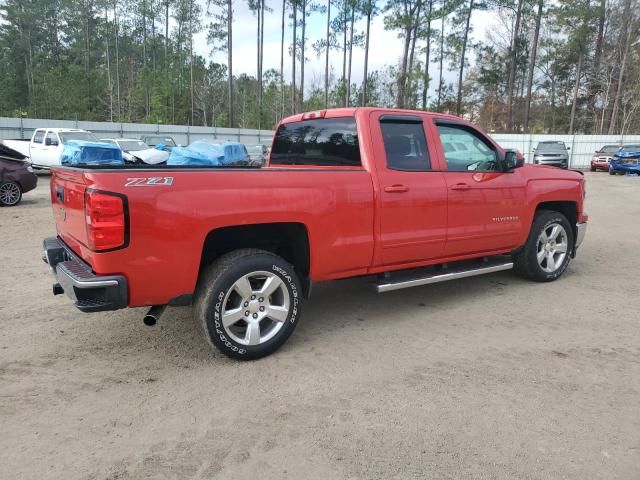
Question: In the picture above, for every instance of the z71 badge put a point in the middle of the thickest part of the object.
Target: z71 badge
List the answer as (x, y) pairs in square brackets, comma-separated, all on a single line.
[(149, 182)]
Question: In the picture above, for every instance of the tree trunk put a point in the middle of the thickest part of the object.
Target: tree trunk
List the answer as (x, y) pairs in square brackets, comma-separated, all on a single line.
[(326, 59), (600, 37), (425, 84), (230, 59), (191, 60), (294, 52), (109, 84), (117, 33), (402, 77), (344, 52), (532, 66), (261, 64), (440, 81), (166, 35), (284, 7), (353, 13), (575, 94), (462, 55), (365, 78), (302, 53), (512, 66)]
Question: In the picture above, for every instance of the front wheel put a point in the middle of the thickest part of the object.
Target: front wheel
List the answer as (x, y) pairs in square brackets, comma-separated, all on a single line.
[(547, 252), (248, 303), (612, 172), (10, 194)]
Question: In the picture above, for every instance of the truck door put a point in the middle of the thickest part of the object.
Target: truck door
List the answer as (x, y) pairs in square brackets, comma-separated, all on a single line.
[(36, 146), (51, 149), (485, 205), (412, 196)]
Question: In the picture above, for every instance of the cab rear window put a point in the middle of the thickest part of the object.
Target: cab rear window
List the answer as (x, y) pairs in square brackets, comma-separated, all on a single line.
[(320, 142)]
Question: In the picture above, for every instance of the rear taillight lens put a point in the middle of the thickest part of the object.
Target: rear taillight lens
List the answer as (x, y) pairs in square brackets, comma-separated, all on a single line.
[(106, 217)]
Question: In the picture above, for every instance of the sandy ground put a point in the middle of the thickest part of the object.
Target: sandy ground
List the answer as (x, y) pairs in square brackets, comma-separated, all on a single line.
[(489, 377)]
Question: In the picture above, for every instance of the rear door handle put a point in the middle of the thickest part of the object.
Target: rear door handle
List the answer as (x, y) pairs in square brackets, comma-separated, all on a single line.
[(396, 188), (460, 186)]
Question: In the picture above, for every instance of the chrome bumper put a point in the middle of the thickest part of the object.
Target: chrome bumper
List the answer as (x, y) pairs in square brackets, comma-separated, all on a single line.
[(581, 231)]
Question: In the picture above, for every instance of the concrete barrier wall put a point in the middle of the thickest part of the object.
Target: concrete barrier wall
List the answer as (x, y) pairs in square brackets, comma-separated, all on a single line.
[(23, 128), (580, 153)]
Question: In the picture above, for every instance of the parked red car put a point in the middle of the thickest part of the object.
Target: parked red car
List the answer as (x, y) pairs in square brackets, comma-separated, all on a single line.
[(16, 177), (407, 197), (602, 157)]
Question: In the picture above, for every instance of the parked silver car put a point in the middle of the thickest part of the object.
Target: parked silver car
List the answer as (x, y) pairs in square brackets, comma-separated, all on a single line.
[(551, 153)]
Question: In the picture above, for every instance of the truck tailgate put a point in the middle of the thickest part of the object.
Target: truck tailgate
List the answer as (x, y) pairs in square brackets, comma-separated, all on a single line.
[(67, 199)]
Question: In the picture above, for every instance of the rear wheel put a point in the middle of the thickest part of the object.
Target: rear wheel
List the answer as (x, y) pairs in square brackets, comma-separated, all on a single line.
[(248, 303), (10, 194), (547, 252)]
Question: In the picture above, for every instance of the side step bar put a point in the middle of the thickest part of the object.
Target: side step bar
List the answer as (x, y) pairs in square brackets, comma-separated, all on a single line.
[(451, 273)]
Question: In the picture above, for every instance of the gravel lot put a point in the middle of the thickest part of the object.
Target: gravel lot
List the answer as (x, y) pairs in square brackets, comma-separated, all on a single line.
[(487, 377)]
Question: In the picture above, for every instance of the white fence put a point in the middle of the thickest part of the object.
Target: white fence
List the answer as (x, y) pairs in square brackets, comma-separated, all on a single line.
[(581, 147), (580, 153), (11, 128)]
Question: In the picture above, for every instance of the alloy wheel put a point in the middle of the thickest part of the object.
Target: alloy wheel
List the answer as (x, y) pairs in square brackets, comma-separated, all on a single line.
[(552, 247), (9, 193)]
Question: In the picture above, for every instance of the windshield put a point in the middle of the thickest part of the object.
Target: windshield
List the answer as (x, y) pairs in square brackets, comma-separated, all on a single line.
[(85, 136), (551, 147), (256, 149), (168, 141), (609, 149), (630, 148), (132, 145)]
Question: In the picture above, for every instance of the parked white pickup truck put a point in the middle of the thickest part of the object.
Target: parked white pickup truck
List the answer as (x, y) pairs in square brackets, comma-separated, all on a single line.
[(45, 147)]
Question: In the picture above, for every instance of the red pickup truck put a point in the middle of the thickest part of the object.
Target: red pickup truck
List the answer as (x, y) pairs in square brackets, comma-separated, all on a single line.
[(406, 197)]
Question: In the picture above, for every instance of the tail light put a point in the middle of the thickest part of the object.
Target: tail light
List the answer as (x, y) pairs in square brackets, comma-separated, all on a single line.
[(106, 215)]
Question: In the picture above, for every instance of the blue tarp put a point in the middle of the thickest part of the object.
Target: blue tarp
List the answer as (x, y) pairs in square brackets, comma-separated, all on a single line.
[(80, 152), (207, 153)]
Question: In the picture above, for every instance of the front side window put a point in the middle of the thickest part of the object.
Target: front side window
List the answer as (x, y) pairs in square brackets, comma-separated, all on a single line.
[(465, 150), (322, 142), (405, 145)]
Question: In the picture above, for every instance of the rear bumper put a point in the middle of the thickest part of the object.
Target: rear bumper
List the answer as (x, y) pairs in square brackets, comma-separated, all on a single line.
[(87, 291)]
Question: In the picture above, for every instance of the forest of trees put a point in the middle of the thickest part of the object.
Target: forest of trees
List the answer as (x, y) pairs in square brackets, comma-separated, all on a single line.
[(561, 66)]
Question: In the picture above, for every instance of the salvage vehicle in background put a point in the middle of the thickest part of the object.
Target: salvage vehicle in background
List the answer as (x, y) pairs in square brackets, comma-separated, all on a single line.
[(551, 153), (602, 157), (45, 147), (346, 192), (257, 154), (155, 140), (16, 177), (625, 160), (136, 151)]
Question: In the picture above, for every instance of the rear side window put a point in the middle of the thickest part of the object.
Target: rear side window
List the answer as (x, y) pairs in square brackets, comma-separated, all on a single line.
[(405, 145), (323, 141), (39, 136)]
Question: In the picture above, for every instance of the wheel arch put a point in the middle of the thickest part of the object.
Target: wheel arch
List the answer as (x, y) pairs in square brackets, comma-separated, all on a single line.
[(289, 240), (569, 209)]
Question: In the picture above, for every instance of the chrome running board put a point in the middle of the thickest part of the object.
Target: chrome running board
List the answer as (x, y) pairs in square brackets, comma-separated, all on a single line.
[(451, 272)]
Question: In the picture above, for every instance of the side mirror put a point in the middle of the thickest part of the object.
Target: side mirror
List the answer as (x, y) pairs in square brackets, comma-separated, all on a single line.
[(512, 159), (568, 148)]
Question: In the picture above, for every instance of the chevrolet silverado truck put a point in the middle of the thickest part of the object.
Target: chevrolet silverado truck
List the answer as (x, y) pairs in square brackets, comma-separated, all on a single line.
[(406, 198)]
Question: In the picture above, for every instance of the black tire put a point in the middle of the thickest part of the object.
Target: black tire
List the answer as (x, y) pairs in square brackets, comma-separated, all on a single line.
[(593, 169), (526, 262), (612, 172), (216, 291), (10, 194)]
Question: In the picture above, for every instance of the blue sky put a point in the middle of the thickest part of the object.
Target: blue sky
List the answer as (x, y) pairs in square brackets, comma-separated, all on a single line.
[(385, 46)]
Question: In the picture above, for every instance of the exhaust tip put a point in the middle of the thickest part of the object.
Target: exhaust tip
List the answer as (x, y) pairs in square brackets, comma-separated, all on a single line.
[(153, 315)]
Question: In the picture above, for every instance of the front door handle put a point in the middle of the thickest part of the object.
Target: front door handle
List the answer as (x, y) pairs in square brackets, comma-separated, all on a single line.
[(460, 186), (396, 188)]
